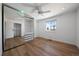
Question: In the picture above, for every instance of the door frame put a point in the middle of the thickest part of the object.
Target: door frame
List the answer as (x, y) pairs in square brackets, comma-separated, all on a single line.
[(2, 28), (20, 29)]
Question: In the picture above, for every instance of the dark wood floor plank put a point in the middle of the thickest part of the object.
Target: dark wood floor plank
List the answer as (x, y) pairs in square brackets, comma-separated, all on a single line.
[(39, 47)]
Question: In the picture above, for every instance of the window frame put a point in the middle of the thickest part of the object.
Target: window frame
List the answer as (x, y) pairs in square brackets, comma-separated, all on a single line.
[(50, 21)]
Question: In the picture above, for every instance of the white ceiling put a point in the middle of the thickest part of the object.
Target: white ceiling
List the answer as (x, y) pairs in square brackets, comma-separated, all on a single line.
[(55, 8)]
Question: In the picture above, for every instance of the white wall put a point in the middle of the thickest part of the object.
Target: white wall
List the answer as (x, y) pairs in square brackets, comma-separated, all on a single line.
[(66, 28), (28, 26), (35, 28), (10, 27), (77, 27), (0, 30)]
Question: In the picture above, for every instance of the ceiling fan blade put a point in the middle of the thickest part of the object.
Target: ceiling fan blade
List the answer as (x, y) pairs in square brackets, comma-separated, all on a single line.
[(36, 8), (41, 12), (45, 11)]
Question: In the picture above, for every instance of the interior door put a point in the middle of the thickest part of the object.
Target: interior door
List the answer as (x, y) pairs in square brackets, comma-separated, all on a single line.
[(17, 30)]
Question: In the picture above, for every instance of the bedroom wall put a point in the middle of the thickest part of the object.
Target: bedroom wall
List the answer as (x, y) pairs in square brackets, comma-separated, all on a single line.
[(29, 26), (66, 28), (35, 28), (77, 28), (0, 30)]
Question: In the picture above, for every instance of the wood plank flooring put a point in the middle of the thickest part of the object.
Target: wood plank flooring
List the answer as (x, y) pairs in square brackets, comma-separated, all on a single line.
[(42, 47), (13, 42)]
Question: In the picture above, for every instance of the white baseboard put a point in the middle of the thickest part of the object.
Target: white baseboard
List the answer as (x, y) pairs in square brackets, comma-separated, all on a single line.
[(28, 40)]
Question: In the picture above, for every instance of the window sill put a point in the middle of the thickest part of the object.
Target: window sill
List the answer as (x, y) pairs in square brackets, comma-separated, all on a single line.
[(50, 30)]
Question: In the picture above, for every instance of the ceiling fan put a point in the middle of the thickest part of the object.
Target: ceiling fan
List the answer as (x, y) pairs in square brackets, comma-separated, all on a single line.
[(39, 10), (37, 7)]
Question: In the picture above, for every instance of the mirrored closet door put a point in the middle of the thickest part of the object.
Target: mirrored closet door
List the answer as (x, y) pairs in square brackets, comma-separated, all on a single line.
[(18, 28)]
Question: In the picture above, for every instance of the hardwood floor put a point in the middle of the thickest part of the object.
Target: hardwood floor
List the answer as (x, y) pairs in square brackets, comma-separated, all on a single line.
[(42, 47), (13, 42)]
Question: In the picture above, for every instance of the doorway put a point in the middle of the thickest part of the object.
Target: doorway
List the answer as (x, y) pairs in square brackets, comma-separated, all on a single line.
[(17, 30)]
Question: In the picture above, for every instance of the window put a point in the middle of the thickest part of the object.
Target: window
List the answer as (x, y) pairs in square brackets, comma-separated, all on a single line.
[(51, 25)]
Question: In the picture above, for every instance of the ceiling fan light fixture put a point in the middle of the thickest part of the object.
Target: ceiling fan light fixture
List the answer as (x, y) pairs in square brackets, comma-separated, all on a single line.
[(22, 11)]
